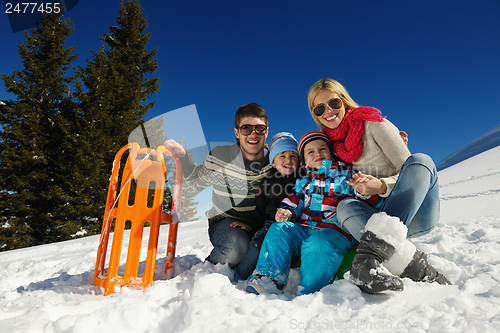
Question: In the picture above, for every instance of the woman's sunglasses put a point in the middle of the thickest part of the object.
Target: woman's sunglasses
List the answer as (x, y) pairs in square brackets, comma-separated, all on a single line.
[(248, 129), (334, 103)]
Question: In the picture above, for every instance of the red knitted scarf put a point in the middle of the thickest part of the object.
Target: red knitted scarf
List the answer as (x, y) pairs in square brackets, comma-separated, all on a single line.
[(347, 137)]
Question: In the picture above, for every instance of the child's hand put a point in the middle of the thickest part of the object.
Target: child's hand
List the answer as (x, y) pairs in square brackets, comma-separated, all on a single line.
[(242, 225), (367, 185), (282, 215)]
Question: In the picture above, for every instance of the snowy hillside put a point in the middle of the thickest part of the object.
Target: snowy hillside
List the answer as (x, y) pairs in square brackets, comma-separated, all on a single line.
[(481, 144), (49, 288)]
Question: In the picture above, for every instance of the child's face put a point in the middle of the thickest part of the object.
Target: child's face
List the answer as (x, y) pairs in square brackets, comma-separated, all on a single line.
[(286, 162), (315, 152)]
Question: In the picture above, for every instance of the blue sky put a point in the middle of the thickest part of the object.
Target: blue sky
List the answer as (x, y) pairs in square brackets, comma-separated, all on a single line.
[(431, 67)]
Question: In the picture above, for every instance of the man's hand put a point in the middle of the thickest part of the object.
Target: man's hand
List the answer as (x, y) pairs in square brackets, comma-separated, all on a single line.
[(282, 215), (175, 147), (244, 226)]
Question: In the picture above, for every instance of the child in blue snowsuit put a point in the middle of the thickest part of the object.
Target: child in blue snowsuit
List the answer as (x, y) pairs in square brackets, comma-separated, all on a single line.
[(284, 157), (308, 225)]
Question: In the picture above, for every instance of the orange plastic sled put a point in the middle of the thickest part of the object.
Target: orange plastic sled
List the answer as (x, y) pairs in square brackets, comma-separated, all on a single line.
[(147, 176)]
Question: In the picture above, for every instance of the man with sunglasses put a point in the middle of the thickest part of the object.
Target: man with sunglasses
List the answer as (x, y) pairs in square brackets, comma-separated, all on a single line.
[(234, 172)]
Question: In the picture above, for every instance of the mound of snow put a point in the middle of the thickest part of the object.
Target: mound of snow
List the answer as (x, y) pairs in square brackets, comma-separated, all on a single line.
[(49, 288), (486, 142)]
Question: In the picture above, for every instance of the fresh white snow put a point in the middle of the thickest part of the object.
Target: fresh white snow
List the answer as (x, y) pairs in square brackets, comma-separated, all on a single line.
[(49, 288)]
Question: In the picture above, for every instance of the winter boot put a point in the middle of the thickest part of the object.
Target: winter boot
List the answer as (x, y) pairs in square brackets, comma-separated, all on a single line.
[(366, 271), (406, 261), (261, 284), (419, 270)]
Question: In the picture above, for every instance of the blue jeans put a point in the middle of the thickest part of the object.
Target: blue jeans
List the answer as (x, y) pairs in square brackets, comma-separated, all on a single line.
[(321, 251), (230, 244), (414, 199), (249, 261)]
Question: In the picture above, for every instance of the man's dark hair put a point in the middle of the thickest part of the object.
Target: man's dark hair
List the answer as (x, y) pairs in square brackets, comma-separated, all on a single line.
[(250, 110)]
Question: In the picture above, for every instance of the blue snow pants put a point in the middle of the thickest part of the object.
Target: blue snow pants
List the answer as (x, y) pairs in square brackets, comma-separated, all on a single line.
[(321, 251)]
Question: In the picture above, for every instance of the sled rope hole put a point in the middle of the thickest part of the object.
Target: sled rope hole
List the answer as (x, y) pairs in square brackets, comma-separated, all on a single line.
[(130, 178)]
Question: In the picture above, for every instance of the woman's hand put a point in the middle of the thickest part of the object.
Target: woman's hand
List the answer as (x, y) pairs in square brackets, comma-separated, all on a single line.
[(367, 185), (282, 215), (241, 225), (404, 136), (175, 147)]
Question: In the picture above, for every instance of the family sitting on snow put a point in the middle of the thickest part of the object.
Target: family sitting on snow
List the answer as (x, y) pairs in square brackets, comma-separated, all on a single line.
[(360, 186)]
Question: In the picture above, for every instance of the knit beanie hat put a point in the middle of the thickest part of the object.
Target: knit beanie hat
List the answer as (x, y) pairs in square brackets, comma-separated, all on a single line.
[(282, 142), (311, 136)]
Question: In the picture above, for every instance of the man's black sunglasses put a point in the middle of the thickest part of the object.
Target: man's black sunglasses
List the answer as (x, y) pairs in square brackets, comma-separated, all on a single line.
[(248, 129)]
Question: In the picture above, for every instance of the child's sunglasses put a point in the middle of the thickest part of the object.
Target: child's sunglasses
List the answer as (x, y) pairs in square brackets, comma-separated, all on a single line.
[(248, 129), (334, 103)]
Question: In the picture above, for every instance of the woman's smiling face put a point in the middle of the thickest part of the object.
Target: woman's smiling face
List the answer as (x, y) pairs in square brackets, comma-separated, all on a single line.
[(331, 118)]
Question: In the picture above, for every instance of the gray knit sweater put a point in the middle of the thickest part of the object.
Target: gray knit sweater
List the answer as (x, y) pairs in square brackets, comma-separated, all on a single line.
[(233, 179), (384, 152)]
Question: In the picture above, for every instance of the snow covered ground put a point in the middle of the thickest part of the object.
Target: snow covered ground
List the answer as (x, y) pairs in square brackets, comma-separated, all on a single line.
[(49, 288)]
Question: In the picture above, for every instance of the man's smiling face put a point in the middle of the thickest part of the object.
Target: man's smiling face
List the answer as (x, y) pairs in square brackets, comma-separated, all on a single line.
[(252, 145)]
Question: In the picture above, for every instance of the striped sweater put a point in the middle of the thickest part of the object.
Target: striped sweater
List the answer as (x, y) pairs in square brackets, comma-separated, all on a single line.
[(234, 182), (315, 197)]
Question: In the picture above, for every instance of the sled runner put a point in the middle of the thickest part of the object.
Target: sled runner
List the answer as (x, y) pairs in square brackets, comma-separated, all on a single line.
[(137, 200)]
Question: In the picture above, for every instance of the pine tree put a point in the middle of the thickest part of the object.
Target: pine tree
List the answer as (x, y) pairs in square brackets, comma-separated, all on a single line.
[(40, 157), (60, 136), (188, 206), (115, 98), (116, 80), (115, 95)]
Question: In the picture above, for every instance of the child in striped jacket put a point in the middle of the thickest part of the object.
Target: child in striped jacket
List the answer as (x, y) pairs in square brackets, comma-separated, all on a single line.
[(308, 225)]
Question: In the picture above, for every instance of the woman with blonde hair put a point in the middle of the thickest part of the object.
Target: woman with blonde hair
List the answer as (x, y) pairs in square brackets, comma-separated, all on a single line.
[(409, 184)]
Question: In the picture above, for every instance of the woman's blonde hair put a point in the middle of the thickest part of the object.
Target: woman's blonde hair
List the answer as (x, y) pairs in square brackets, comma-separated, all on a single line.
[(333, 86)]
